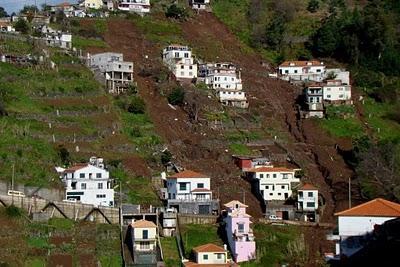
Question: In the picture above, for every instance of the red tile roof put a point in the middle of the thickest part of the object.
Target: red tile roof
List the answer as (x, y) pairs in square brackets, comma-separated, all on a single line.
[(378, 207), (271, 169), (188, 174), (301, 63), (308, 187), (76, 167), (143, 224), (209, 248)]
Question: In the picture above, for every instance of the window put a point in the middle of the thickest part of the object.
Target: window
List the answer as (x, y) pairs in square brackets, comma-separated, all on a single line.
[(300, 194), (283, 187), (271, 194), (182, 73), (310, 194), (83, 186), (101, 196), (219, 256), (182, 67), (310, 204), (200, 185), (279, 194), (266, 187), (328, 96), (190, 67), (100, 186), (285, 176), (190, 73), (274, 175), (340, 88), (182, 186), (81, 175), (328, 89), (98, 175), (176, 54), (205, 257), (318, 70), (241, 227), (295, 71), (341, 96), (267, 176), (144, 245), (186, 55), (261, 175), (145, 234), (286, 71)]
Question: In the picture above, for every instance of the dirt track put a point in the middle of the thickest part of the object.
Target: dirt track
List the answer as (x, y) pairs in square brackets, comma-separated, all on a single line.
[(273, 100)]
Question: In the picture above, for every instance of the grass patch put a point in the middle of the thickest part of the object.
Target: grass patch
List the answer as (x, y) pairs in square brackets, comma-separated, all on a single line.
[(35, 262), (272, 244), (239, 149), (38, 242), (83, 43), (170, 250), (341, 122), (110, 261), (61, 224), (194, 235)]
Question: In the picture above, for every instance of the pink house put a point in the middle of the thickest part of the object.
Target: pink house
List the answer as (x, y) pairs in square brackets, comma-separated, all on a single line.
[(240, 235)]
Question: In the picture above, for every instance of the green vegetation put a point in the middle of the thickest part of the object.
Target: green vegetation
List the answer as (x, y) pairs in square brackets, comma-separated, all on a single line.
[(177, 96), (61, 224), (170, 250), (194, 235), (276, 245), (35, 262), (239, 149), (82, 43), (13, 211)]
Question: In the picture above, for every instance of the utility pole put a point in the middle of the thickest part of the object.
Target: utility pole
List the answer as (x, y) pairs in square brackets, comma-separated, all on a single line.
[(349, 192), (12, 176), (244, 197)]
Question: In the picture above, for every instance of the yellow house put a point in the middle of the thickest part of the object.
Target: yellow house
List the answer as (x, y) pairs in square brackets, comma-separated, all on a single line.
[(95, 4)]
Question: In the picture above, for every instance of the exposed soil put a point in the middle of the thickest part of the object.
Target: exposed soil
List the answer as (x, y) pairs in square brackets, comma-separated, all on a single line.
[(60, 260)]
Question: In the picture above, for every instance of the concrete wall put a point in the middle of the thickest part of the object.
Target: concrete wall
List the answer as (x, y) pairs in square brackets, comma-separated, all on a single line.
[(46, 193), (197, 219), (73, 211)]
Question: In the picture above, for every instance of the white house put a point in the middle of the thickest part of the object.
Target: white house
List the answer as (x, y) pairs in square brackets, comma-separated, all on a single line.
[(190, 192), (179, 60), (144, 236), (137, 6), (200, 4), (233, 98), (307, 198), (56, 38), (274, 183), (6, 27), (335, 90), (89, 183), (117, 72), (94, 4), (313, 70), (221, 75), (189, 185), (209, 255), (65, 7), (355, 224)]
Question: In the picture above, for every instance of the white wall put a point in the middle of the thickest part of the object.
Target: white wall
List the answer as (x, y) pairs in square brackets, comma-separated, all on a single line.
[(336, 92), (212, 258), (173, 187), (275, 188), (231, 95), (308, 199), (359, 225)]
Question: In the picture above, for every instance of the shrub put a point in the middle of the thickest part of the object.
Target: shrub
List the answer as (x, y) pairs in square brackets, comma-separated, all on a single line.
[(137, 106), (166, 157), (22, 26), (13, 211), (176, 12), (313, 6), (177, 96)]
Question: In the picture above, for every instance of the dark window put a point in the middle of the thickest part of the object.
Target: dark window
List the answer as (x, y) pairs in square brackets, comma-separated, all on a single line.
[(98, 175), (310, 204), (182, 186), (261, 175), (81, 175), (205, 257), (145, 234), (200, 185), (100, 186), (241, 228), (83, 186), (310, 194)]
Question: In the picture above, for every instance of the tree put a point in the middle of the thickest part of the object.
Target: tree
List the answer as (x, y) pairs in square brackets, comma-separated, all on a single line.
[(22, 26), (64, 155), (29, 9), (275, 31), (3, 12), (176, 97), (166, 157), (313, 6)]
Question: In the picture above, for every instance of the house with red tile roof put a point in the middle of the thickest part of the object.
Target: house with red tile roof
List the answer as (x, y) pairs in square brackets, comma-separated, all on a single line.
[(190, 192), (307, 198), (356, 224), (209, 255), (312, 70)]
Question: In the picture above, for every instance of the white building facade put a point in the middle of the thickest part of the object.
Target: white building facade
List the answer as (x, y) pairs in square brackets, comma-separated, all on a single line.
[(200, 4), (189, 185), (137, 6), (209, 255), (307, 198), (144, 236), (335, 90), (117, 72), (302, 71), (88, 183), (274, 183), (179, 60), (357, 223)]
